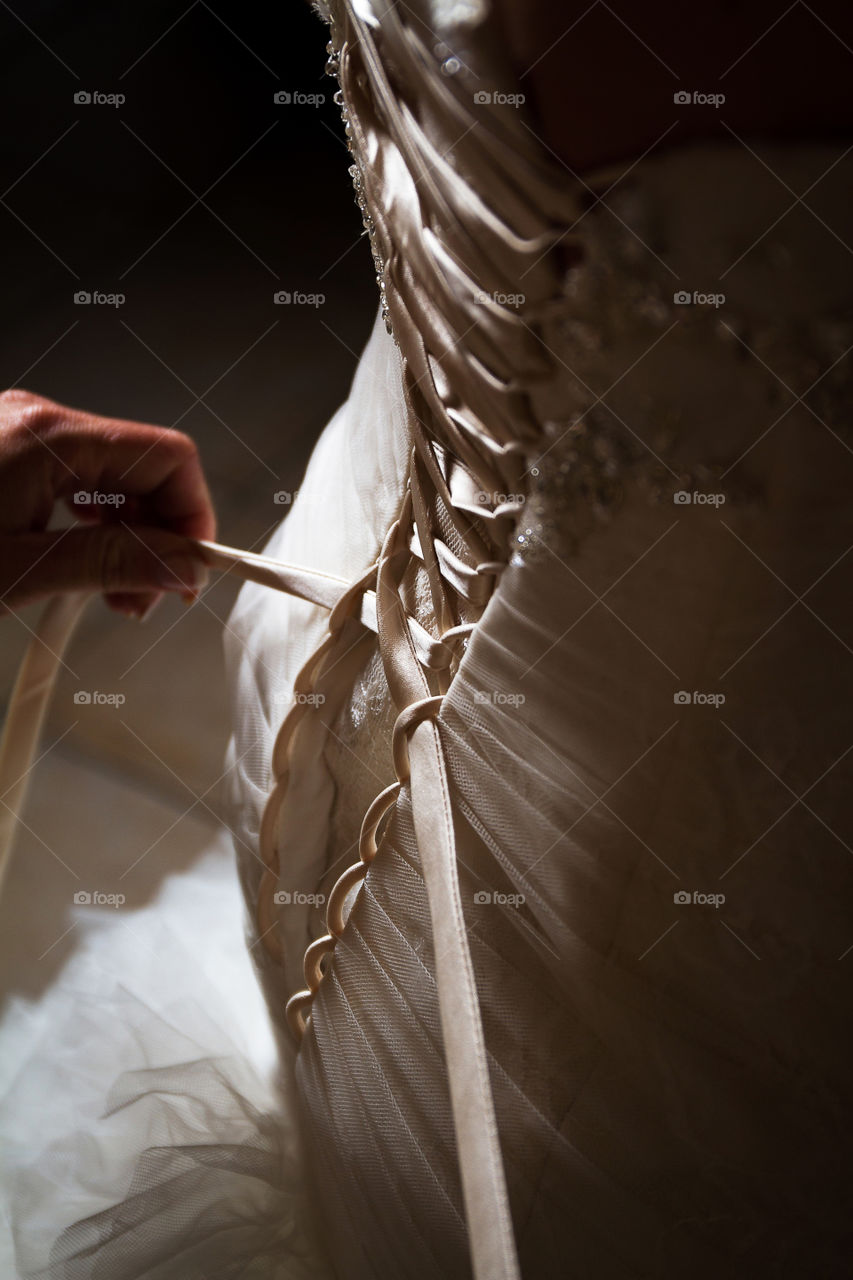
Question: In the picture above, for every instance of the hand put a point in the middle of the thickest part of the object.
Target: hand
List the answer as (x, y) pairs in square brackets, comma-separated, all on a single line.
[(139, 491)]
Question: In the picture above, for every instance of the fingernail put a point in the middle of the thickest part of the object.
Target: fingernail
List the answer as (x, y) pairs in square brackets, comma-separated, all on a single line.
[(144, 614), (182, 573), (138, 611)]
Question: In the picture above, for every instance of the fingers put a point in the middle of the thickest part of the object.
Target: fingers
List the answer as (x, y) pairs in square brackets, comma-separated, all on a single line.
[(133, 604), (114, 462), (157, 469), (113, 558)]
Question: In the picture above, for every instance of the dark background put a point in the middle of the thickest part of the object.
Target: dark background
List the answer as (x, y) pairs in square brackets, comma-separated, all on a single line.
[(103, 198), (97, 197)]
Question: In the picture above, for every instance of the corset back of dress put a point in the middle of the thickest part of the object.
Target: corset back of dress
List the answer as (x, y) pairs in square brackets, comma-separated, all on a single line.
[(602, 419)]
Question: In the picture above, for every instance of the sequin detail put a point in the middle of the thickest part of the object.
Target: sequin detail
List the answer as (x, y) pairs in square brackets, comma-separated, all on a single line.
[(333, 67)]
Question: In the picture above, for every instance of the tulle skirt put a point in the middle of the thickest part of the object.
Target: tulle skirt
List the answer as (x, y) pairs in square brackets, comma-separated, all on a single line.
[(146, 1121)]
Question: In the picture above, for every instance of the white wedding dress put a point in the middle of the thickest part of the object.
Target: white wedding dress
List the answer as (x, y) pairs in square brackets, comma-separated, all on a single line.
[(603, 532)]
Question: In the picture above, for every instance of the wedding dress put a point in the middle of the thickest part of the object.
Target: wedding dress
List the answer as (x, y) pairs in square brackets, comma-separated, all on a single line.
[(537, 790)]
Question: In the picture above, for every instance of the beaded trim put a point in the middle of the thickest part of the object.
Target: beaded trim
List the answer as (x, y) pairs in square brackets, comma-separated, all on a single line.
[(333, 68)]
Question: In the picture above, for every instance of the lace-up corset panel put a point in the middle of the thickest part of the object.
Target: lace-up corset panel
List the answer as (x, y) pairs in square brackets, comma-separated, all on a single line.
[(624, 391), (447, 254), (622, 399)]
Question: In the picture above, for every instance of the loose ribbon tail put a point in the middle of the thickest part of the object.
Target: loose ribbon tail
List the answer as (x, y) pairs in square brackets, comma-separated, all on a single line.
[(492, 1245), (27, 707), (37, 674)]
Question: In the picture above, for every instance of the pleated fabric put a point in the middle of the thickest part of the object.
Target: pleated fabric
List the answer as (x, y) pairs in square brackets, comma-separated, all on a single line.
[(594, 468)]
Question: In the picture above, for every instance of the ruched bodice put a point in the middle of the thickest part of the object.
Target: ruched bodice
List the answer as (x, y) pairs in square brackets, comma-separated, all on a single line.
[(540, 793), (618, 440)]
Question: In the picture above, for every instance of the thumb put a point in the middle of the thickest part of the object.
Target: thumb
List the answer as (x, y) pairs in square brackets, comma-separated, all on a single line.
[(109, 558)]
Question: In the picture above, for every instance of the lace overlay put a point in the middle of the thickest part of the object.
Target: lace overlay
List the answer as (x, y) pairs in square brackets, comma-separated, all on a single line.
[(668, 396), (358, 757), (589, 419), (597, 466)]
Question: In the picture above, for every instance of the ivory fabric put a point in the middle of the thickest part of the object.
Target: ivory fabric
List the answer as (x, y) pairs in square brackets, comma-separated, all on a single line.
[(644, 1060), (623, 697)]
